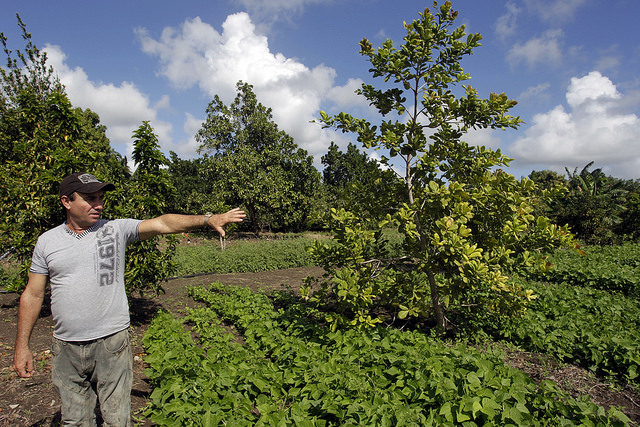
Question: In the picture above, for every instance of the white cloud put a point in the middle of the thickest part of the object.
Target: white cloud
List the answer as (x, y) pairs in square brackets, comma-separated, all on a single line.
[(163, 104), (192, 125), (540, 91), (594, 129), (555, 10), (196, 54), (269, 11), (483, 138), (122, 109), (188, 147), (593, 91), (345, 96), (182, 54), (506, 24), (546, 49)]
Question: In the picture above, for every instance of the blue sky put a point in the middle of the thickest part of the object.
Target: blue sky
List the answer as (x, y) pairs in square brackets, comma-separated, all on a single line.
[(572, 65)]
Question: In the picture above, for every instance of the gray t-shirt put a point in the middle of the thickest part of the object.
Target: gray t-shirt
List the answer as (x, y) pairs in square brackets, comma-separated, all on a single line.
[(86, 272)]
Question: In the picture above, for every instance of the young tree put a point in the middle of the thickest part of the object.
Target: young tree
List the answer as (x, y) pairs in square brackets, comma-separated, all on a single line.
[(146, 195), (42, 139), (262, 168), (466, 222)]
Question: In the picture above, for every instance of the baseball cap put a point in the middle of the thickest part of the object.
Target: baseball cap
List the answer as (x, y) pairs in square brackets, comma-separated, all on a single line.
[(83, 182)]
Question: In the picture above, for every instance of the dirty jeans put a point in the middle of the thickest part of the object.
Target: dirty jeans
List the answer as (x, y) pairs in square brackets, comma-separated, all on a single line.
[(86, 372)]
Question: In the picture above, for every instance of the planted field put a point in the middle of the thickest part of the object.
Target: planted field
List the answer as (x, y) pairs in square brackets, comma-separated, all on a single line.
[(250, 358), (247, 358), (583, 326), (289, 369), (609, 268)]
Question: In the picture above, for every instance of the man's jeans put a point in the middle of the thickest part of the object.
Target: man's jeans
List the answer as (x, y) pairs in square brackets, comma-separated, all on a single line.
[(87, 371)]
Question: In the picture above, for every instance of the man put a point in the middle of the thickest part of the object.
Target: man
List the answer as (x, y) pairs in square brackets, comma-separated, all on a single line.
[(83, 259)]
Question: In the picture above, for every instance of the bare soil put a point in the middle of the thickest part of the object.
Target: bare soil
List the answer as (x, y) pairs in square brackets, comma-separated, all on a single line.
[(34, 402)]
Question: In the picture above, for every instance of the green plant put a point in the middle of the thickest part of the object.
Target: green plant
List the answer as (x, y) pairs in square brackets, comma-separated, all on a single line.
[(289, 369), (583, 326), (195, 183), (355, 182), (466, 223), (146, 196), (9, 276), (353, 261), (593, 207), (609, 268)]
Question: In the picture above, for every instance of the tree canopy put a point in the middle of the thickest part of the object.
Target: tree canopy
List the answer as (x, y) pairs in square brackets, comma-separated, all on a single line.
[(259, 167), (42, 139)]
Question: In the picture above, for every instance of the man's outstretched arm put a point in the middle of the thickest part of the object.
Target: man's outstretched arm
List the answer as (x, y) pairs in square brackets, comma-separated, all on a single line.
[(174, 223)]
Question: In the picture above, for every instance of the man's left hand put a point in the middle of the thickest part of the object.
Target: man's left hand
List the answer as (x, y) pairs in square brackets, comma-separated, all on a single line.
[(220, 220)]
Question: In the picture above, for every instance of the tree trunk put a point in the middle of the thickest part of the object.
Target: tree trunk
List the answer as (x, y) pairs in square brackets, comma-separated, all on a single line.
[(438, 310)]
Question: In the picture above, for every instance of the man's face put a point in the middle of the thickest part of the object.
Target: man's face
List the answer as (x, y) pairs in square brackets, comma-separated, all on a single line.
[(85, 209)]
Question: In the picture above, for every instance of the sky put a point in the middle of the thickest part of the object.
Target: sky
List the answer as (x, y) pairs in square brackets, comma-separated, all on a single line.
[(572, 65)]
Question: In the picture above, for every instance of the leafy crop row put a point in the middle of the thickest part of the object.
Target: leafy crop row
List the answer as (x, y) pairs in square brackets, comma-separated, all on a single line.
[(609, 268), (285, 368), (588, 327)]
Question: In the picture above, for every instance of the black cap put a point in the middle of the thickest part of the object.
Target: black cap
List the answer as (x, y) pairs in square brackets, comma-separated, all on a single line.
[(83, 182)]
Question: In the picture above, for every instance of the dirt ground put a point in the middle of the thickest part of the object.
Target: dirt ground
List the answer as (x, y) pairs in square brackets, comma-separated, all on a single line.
[(34, 402)]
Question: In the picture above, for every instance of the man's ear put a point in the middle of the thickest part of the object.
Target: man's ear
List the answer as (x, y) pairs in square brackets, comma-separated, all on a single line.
[(66, 202)]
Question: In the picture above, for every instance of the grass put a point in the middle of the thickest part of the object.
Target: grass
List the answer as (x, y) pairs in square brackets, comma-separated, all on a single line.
[(240, 256), (9, 273), (255, 255)]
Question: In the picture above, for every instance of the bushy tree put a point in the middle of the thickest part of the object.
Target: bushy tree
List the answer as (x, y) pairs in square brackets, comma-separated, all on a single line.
[(552, 187), (42, 139), (548, 179), (629, 227), (356, 182), (260, 167), (592, 204), (198, 188), (466, 223)]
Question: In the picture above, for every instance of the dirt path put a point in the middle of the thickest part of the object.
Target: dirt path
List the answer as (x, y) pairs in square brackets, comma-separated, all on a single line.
[(34, 401)]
